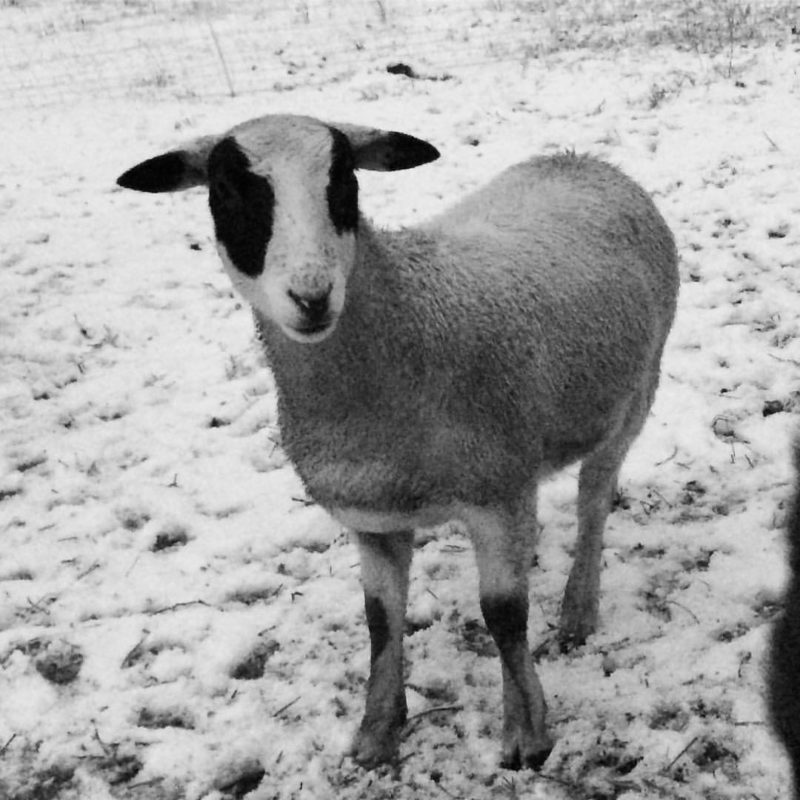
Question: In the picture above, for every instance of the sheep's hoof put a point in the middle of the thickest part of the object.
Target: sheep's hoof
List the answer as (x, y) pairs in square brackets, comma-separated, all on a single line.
[(371, 751), (376, 743), (569, 640), (532, 756), (576, 625)]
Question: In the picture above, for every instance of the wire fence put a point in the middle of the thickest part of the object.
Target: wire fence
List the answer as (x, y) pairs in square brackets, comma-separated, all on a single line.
[(60, 51), (207, 50)]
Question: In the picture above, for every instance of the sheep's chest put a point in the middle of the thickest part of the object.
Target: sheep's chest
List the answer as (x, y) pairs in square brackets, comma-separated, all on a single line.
[(404, 464)]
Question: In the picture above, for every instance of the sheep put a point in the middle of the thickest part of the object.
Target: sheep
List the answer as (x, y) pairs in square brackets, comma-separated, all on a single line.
[(784, 656), (439, 372)]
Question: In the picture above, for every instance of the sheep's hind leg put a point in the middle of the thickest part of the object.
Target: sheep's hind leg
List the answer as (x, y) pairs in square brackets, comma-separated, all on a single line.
[(597, 483), (385, 562), (503, 550)]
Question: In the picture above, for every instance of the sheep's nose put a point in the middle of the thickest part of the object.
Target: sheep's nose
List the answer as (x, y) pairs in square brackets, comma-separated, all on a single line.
[(314, 308)]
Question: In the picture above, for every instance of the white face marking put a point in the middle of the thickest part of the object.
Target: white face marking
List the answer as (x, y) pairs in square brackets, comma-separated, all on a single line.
[(305, 256)]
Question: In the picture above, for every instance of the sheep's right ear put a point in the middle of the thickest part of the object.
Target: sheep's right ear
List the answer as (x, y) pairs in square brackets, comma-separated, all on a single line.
[(172, 171)]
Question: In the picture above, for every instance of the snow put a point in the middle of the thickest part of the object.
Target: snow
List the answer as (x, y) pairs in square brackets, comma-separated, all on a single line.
[(155, 537)]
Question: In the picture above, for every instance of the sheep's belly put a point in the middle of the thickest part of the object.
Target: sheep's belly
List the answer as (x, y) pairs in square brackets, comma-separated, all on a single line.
[(379, 488), (357, 519)]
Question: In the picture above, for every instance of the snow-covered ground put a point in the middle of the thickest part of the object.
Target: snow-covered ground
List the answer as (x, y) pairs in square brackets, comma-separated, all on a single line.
[(177, 621)]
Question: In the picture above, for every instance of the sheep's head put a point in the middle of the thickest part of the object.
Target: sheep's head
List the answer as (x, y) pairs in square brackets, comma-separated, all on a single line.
[(284, 198)]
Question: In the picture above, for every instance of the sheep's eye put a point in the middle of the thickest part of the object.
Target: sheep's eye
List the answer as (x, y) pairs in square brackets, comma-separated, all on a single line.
[(224, 189)]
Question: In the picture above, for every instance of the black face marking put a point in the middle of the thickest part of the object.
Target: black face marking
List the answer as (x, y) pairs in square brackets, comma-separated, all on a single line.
[(378, 624), (242, 205), (507, 619), (342, 188)]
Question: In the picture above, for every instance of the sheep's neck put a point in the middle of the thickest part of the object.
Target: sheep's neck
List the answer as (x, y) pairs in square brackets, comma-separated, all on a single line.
[(375, 348), (358, 410)]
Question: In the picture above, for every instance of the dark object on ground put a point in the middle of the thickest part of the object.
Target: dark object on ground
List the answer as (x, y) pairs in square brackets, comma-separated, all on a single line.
[(784, 663)]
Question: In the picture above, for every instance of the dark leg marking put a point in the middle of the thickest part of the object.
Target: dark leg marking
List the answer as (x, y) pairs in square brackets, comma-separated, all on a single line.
[(378, 624), (525, 742), (507, 620)]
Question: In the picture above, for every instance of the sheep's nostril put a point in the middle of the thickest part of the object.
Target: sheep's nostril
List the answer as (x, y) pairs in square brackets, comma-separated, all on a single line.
[(314, 307)]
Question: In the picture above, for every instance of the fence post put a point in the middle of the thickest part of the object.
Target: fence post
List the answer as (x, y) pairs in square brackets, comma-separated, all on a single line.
[(221, 56)]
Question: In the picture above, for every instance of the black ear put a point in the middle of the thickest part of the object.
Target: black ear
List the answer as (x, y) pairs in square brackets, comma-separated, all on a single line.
[(385, 151), (392, 151), (164, 173), (172, 171)]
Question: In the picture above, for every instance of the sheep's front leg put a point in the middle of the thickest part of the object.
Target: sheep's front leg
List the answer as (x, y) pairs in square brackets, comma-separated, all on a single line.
[(385, 561), (503, 549)]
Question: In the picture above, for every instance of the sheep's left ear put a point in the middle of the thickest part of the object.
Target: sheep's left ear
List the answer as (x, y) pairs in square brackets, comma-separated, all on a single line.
[(172, 171), (386, 151)]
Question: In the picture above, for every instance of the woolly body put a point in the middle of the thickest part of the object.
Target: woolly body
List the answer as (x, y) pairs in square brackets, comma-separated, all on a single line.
[(500, 341), (439, 372)]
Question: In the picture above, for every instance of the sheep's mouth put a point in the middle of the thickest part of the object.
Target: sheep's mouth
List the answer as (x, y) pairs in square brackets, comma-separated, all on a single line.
[(310, 332)]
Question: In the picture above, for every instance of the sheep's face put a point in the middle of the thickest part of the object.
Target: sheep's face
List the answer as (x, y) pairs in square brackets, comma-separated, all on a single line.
[(284, 199)]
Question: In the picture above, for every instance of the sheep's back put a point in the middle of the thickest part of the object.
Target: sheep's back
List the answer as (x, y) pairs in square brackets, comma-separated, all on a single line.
[(502, 337)]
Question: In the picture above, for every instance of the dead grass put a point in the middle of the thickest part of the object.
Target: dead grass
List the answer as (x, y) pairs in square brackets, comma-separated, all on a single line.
[(710, 27), (190, 38)]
